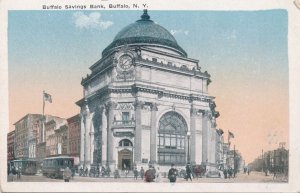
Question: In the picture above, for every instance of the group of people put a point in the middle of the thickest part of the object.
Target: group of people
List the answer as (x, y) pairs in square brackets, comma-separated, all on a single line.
[(154, 175), (95, 172), (247, 170), (228, 173), (150, 175), (14, 173)]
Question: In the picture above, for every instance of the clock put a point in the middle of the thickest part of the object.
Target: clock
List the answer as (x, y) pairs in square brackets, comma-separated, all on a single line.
[(125, 62)]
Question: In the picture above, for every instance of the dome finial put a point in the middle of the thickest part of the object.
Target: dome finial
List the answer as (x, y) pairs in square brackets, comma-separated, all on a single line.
[(145, 15)]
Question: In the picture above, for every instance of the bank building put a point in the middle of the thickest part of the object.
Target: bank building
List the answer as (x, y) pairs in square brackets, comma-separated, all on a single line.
[(145, 102)]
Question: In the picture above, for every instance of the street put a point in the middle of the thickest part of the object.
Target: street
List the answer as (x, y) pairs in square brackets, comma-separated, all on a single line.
[(254, 177)]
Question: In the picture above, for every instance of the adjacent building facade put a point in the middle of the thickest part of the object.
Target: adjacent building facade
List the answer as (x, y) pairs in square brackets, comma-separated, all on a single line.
[(56, 137), (10, 146), (74, 131), (145, 102), (25, 137)]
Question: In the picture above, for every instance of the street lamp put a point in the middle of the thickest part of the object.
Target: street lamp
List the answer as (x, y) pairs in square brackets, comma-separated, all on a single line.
[(188, 153)]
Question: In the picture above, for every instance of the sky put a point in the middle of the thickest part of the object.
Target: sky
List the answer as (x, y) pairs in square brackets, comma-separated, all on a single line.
[(245, 52)]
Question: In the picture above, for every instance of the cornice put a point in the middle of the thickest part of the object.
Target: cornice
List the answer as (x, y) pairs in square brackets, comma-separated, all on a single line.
[(146, 89)]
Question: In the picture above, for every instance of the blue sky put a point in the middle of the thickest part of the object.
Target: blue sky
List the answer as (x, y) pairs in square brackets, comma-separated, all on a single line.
[(244, 51)]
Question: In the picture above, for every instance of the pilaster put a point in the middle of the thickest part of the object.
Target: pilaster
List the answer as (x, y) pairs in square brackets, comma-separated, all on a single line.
[(104, 137), (110, 106), (153, 144), (82, 140), (138, 133), (205, 135), (91, 135), (193, 135)]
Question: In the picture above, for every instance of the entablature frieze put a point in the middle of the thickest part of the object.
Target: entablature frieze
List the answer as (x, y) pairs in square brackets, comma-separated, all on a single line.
[(183, 69), (104, 92)]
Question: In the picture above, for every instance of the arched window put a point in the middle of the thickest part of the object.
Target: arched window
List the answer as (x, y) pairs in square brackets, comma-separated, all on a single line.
[(125, 143), (171, 139)]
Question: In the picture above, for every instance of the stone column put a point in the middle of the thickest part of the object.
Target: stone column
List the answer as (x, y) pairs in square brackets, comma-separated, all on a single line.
[(204, 138), (213, 143), (138, 133), (87, 140), (92, 143), (104, 137), (110, 106), (153, 133), (194, 113)]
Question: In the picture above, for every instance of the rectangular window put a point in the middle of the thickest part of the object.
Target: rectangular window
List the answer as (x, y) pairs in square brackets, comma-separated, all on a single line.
[(161, 141), (167, 141), (144, 160), (173, 142), (167, 159), (125, 116), (173, 158)]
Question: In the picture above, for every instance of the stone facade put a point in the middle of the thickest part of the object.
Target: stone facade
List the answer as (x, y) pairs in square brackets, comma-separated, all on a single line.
[(10, 146), (25, 137), (41, 136), (56, 137), (74, 132), (145, 102)]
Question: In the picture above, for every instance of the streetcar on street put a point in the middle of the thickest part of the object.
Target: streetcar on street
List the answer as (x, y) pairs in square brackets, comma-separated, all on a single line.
[(53, 167), (26, 166)]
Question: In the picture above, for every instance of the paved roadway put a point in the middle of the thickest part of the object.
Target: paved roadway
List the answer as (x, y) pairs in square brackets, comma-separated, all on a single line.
[(254, 177)]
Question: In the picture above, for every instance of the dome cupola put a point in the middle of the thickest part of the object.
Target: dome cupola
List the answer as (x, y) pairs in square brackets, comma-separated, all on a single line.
[(145, 32)]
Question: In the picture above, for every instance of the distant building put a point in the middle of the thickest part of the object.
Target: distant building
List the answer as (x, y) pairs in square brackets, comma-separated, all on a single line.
[(41, 136), (226, 150), (10, 146), (25, 137), (273, 160), (74, 129), (220, 161), (55, 133)]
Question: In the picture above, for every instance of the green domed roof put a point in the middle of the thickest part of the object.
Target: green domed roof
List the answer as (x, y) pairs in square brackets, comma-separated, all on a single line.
[(147, 32)]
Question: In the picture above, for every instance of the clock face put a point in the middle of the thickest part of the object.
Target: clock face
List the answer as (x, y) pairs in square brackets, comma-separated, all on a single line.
[(125, 62)]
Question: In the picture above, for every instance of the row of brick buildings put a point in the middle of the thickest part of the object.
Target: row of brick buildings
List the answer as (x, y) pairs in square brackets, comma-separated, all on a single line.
[(36, 137), (276, 160)]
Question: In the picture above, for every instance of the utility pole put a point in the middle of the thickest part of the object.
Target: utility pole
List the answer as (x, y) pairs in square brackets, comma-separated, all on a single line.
[(262, 158)]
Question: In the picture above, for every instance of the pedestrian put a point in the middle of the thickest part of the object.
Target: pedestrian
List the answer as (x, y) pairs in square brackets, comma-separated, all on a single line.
[(149, 174), (225, 173), (81, 171), (158, 177), (172, 174), (102, 170), (97, 171), (188, 172), (116, 174), (136, 173), (108, 171), (86, 171), (73, 172), (19, 173), (248, 171), (67, 174), (229, 173), (142, 173), (14, 173)]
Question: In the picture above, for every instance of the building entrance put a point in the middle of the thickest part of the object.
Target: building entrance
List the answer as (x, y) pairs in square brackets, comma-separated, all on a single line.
[(125, 159)]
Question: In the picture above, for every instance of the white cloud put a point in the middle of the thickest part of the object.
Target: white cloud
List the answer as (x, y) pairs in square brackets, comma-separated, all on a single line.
[(91, 21), (180, 31)]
